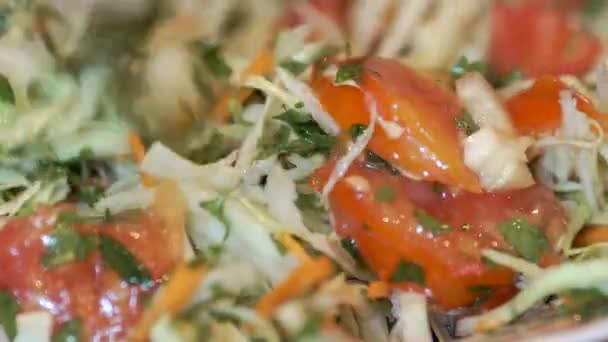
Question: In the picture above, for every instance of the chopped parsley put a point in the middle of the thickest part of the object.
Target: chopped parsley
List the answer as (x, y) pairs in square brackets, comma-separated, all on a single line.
[(211, 55), (374, 161), (310, 139), (224, 316), (298, 67), (527, 240), (437, 187), (216, 208), (9, 307), (6, 92), (309, 201), (482, 292), (310, 329), (349, 245), (350, 72), (67, 245), (465, 123), (430, 223), (356, 130), (69, 332), (385, 193), (215, 149), (294, 67), (594, 7), (588, 303), (122, 261), (511, 77), (408, 271), (464, 66)]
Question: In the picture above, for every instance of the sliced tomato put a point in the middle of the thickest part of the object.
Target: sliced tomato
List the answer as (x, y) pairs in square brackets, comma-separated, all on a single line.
[(538, 38), (537, 110), (88, 290), (387, 232), (430, 144)]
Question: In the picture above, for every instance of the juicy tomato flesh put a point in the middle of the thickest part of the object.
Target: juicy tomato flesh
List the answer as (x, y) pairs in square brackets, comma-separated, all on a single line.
[(387, 232), (537, 110), (540, 37), (86, 290), (429, 146)]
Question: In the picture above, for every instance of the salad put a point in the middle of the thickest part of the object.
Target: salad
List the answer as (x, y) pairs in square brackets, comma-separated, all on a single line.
[(307, 170)]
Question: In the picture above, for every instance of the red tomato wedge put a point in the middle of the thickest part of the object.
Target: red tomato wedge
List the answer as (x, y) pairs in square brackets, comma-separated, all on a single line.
[(537, 110), (539, 38), (88, 290), (430, 145), (390, 231)]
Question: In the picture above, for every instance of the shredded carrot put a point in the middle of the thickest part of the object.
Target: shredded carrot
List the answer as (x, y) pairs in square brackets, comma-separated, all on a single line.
[(378, 289), (295, 247), (139, 152), (590, 235), (261, 65), (173, 297), (301, 279)]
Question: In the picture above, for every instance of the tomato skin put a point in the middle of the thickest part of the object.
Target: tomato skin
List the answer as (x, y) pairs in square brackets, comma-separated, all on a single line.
[(540, 37), (537, 110), (388, 232), (430, 144), (86, 290)]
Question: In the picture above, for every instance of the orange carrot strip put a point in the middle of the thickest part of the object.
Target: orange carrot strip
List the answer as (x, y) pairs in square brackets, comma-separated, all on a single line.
[(295, 247), (302, 279), (378, 289), (173, 297), (261, 65), (139, 152), (590, 235)]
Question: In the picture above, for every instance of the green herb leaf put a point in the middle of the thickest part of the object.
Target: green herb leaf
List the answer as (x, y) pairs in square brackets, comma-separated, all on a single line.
[(594, 7), (511, 77), (294, 67), (349, 245), (430, 223), (466, 124), (90, 194), (311, 327), (215, 149), (437, 188), (6, 92), (9, 307), (311, 137), (527, 240), (308, 201), (120, 259), (356, 130), (349, 72), (464, 66), (374, 161), (408, 271), (67, 245), (588, 303), (69, 332), (385, 193), (216, 208), (482, 292), (214, 61), (224, 316)]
